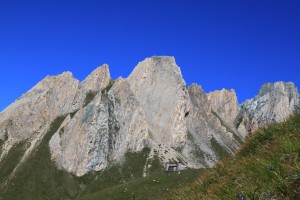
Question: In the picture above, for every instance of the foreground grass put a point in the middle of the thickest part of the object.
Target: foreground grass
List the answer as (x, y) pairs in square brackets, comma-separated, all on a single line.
[(267, 167), (148, 188)]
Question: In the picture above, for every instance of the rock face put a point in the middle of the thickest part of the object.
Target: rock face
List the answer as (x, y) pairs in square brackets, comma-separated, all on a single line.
[(95, 82), (209, 139), (274, 103), (31, 115), (101, 132), (225, 104), (158, 86), (151, 108), (143, 110)]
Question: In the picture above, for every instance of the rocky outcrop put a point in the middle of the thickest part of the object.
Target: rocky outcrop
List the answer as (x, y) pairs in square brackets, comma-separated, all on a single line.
[(274, 103), (225, 104), (101, 132), (88, 88), (209, 138), (158, 86), (143, 110), (31, 115), (151, 108)]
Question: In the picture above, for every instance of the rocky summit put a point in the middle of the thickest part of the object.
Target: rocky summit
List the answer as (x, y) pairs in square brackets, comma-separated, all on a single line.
[(103, 119)]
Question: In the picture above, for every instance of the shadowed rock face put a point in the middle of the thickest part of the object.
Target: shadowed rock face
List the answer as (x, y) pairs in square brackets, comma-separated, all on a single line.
[(151, 108)]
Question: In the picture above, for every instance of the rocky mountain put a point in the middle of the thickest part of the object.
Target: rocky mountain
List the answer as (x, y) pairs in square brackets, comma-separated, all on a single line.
[(152, 108), (273, 103)]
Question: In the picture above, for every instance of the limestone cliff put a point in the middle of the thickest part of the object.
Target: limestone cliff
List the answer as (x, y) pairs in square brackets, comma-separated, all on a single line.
[(209, 139), (153, 108), (274, 103), (225, 104), (30, 115), (158, 86)]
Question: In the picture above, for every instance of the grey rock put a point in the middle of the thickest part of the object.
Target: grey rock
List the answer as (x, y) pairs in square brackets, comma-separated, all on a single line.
[(274, 103), (159, 88), (205, 129), (151, 108), (94, 83), (31, 115), (225, 104)]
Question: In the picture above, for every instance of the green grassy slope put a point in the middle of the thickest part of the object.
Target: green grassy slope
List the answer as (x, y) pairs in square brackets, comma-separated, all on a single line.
[(148, 188), (267, 167)]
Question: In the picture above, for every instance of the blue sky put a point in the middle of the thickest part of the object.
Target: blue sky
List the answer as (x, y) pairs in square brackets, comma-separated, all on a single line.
[(237, 44)]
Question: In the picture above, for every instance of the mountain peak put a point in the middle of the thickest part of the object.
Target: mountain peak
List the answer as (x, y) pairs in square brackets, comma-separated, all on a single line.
[(98, 79), (279, 86), (160, 89), (159, 63), (162, 58), (151, 108), (66, 74)]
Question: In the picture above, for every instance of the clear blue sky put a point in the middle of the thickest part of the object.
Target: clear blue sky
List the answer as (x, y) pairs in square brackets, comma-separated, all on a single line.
[(237, 44)]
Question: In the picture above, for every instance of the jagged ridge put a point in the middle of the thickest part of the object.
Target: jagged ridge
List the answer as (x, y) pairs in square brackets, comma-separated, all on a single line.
[(151, 108)]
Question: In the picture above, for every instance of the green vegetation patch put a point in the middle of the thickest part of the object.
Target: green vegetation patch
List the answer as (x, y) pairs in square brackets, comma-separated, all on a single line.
[(118, 173), (72, 114), (267, 167), (125, 180), (156, 165), (148, 188), (1, 145), (109, 86), (11, 160), (89, 97), (38, 177)]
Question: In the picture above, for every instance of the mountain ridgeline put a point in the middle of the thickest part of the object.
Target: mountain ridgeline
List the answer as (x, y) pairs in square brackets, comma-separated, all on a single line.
[(92, 125)]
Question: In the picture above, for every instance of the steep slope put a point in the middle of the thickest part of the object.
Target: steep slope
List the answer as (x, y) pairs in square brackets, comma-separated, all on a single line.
[(101, 132), (127, 115), (267, 167), (28, 118), (148, 109), (209, 140), (161, 91), (103, 120), (274, 103), (38, 177), (225, 104), (90, 86), (126, 128), (44, 102)]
